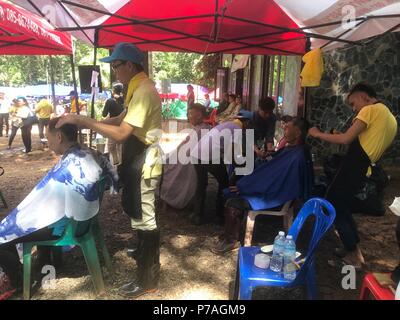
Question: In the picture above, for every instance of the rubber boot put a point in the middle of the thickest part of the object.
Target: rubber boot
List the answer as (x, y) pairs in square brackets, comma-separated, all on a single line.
[(148, 265)]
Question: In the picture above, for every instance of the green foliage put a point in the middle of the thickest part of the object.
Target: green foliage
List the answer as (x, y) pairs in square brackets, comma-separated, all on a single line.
[(23, 70), (179, 67), (185, 67), (98, 109)]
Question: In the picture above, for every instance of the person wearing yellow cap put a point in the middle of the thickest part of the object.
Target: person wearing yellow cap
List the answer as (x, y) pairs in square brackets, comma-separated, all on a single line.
[(138, 128)]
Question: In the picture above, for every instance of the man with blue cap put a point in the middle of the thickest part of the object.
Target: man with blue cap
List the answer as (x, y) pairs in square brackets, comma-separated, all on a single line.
[(138, 128)]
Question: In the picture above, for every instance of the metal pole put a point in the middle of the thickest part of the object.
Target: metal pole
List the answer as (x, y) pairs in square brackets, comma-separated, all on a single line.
[(96, 36), (306, 90), (71, 60), (53, 91)]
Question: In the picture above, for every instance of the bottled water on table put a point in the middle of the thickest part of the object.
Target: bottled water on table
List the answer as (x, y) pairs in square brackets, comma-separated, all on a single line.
[(277, 256), (289, 256)]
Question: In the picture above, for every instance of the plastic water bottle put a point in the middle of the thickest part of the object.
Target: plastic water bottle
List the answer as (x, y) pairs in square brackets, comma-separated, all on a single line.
[(277, 255), (289, 256)]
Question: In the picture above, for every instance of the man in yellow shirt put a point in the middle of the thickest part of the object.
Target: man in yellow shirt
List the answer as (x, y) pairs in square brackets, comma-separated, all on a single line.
[(372, 132), (138, 129), (43, 111)]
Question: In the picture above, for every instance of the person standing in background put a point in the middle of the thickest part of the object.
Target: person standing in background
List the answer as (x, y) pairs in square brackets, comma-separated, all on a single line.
[(224, 103), (190, 95), (113, 107), (43, 109), (4, 114)]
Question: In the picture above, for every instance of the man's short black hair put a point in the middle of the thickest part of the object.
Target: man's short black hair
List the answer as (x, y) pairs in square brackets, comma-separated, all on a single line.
[(363, 87), (267, 104), (233, 96), (118, 87), (303, 126), (286, 118), (199, 107), (70, 131)]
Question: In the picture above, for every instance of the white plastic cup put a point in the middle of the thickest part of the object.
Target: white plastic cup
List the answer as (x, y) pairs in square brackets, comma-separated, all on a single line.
[(261, 260)]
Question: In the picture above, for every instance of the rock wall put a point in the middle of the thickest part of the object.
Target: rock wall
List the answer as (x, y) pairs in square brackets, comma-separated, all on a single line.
[(377, 62)]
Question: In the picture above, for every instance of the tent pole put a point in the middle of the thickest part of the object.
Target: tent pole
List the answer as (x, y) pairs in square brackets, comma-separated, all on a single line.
[(53, 91), (96, 38), (71, 59), (306, 90)]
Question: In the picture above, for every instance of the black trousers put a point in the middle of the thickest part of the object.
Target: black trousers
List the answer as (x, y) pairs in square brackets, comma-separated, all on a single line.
[(4, 121), (220, 173), (344, 186), (12, 135), (26, 136), (42, 124)]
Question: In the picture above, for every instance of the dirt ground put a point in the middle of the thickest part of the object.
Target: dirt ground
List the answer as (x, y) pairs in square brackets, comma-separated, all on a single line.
[(189, 269)]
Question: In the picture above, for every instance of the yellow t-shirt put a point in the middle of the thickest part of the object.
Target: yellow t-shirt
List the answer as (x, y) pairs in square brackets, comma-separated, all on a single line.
[(44, 109), (144, 113), (380, 132)]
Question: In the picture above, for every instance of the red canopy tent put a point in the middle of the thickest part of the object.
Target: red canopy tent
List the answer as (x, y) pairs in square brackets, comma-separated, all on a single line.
[(24, 33), (206, 26), (279, 27)]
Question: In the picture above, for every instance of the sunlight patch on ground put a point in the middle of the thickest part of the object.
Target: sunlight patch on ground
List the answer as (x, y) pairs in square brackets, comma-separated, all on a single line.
[(198, 294)]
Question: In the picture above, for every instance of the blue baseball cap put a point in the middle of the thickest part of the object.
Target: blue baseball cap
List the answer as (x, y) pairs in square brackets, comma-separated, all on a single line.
[(125, 51)]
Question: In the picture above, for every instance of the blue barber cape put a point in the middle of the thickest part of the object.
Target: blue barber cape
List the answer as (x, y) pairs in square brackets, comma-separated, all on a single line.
[(287, 176), (69, 190)]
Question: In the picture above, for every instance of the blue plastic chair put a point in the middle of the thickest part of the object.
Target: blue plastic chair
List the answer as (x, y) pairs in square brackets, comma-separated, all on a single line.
[(249, 276)]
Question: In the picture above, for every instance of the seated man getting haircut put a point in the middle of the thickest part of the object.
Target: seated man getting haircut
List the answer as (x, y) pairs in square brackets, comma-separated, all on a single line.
[(288, 175), (69, 190)]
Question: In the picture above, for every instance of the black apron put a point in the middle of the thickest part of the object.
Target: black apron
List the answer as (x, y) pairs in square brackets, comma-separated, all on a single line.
[(130, 173), (351, 173)]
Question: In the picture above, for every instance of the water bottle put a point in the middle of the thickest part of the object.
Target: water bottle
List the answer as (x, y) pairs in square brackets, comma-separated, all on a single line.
[(277, 255), (289, 256)]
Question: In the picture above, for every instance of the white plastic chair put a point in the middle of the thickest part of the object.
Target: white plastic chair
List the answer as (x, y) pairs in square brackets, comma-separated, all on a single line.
[(286, 212)]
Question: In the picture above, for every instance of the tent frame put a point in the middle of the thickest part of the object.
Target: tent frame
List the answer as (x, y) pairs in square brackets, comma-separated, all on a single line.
[(214, 38)]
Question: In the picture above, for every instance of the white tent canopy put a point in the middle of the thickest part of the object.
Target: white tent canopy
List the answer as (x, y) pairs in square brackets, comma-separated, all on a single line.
[(369, 18), (320, 20)]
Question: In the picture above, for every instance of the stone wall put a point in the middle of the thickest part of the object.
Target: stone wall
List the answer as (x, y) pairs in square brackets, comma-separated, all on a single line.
[(377, 62)]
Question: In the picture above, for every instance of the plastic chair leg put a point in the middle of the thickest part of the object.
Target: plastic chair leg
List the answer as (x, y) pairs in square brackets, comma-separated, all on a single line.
[(364, 293), (311, 283), (106, 254), (288, 220), (27, 258), (251, 217), (103, 247), (92, 261), (245, 290)]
